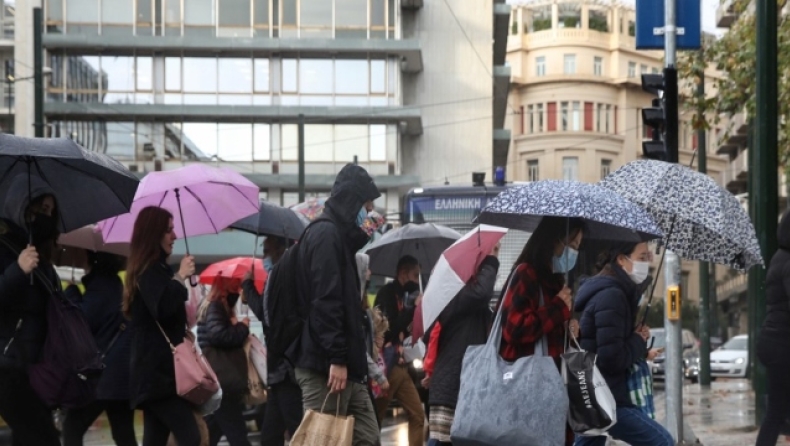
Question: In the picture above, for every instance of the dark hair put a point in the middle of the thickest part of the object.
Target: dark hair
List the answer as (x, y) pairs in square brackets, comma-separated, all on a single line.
[(407, 262), (45, 248), (279, 241), (146, 248), (609, 255), (539, 250), (104, 263)]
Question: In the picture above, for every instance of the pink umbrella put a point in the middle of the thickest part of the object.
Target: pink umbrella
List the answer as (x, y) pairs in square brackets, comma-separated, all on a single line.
[(202, 199), (455, 267)]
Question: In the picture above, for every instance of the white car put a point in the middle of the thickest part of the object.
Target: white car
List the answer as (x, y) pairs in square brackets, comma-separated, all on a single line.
[(731, 360)]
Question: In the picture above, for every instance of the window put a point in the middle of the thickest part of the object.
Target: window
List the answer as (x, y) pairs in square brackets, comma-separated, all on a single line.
[(540, 117), (631, 28), (576, 116), (599, 118), (598, 21), (654, 70), (589, 112), (606, 168), (570, 64), (570, 168), (173, 73), (530, 120), (315, 76), (631, 69), (551, 109), (540, 66), (533, 170), (598, 66), (289, 76), (643, 68), (564, 116)]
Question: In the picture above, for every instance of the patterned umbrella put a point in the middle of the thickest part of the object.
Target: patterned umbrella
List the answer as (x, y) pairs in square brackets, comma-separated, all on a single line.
[(312, 208), (702, 220), (608, 215)]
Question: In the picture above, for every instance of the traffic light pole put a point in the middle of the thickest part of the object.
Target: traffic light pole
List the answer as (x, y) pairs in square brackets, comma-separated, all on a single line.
[(704, 269)]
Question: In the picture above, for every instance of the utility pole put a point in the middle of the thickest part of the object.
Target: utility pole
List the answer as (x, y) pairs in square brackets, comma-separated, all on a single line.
[(704, 268), (38, 72), (301, 158), (765, 167)]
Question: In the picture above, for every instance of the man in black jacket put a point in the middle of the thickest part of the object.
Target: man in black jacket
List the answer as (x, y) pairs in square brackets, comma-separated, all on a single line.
[(330, 355), (397, 300)]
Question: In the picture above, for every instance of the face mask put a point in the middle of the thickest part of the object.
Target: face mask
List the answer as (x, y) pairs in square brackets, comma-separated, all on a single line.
[(361, 216), (566, 261), (639, 272), (44, 227), (411, 286), (267, 264)]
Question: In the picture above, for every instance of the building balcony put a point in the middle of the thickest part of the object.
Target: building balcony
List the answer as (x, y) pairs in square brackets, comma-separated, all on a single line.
[(725, 14), (570, 36), (738, 136), (731, 286), (736, 175)]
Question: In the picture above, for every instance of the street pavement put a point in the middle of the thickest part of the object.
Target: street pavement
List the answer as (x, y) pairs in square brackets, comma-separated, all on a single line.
[(720, 416)]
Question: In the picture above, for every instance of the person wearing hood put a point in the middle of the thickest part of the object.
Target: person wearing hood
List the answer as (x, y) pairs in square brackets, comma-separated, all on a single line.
[(609, 303), (101, 306), (220, 333), (774, 338), (398, 301), (154, 300), (330, 355), (30, 211)]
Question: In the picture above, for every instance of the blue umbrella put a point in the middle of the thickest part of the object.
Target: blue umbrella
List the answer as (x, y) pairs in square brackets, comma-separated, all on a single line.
[(608, 215)]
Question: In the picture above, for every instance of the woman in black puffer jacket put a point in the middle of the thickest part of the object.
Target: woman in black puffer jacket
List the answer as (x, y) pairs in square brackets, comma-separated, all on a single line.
[(220, 333), (774, 338)]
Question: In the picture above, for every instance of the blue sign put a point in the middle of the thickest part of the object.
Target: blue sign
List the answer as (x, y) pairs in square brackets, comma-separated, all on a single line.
[(650, 24)]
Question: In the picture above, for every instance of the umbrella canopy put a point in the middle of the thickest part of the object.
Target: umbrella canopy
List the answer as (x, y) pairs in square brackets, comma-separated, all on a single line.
[(88, 186), (275, 220), (455, 267), (608, 216), (202, 199), (90, 238), (425, 242), (701, 220), (235, 269), (312, 208)]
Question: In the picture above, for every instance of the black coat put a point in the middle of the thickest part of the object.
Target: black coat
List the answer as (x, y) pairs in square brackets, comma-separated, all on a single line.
[(278, 369), (328, 283), (215, 330), (101, 304), (776, 326), (389, 299), (609, 304), (21, 301), (158, 298), (464, 322)]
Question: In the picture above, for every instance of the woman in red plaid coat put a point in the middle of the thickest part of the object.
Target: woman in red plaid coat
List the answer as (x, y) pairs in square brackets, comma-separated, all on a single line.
[(550, 253)]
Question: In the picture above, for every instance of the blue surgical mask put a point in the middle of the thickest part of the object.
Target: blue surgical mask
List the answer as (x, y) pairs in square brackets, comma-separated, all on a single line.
[(361, 216), (566, 261), (267, 264)]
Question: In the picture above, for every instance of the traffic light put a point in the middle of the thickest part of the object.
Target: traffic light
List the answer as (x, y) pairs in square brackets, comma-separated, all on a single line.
[(662, 117)]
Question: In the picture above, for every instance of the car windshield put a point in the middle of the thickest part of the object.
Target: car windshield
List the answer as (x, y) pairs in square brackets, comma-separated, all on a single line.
[(736, 344)]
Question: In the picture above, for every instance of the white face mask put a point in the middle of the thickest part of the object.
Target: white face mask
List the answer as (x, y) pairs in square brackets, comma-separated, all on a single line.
[(639, 271)]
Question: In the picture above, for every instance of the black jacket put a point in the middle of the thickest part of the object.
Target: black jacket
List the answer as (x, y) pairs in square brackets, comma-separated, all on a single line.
[(158, 298), (278, 369), (101, 304), (777, 319), (329, 284), (464, 322), (389, 299), (215, 330), (609, 306)]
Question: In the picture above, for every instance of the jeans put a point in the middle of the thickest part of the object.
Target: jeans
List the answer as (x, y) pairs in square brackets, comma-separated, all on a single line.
[(402, 388), (228, 420), (283, 413), (172, 414), (772, 355), (634, 428), (354, 400), (31, 421), (120, 415)]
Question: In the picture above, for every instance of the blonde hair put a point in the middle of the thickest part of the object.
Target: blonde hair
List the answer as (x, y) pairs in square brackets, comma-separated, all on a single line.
[(380, 322)]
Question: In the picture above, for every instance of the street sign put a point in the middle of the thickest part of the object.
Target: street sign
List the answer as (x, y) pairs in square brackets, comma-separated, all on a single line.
[(650, 24)]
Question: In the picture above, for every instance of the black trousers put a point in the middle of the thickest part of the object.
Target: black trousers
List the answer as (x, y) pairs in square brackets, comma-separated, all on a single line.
[(172, 414), (773, 355), (120, 415), (31, 421), (228, 420), (283, 413)]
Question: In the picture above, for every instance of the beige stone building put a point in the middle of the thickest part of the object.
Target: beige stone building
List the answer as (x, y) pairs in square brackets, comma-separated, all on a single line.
[(576, 97)]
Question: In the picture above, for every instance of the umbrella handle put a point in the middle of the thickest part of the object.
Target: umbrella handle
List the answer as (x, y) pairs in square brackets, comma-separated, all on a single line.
[(193, 282)]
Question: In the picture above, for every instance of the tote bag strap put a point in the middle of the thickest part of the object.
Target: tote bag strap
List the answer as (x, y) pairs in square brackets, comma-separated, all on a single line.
[(495, 337)]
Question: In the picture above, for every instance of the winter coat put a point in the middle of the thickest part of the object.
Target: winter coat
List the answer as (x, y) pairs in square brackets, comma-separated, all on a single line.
[(23, 307), (464, 322), (390, 300), (159, 298), (278, 369), (776, 326), (101, 304), (328, 284), (609, 303), (215, 330)]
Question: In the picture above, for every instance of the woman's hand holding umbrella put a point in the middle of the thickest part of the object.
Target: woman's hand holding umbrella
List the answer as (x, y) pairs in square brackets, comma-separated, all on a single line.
[(187, 268), (28, 259)]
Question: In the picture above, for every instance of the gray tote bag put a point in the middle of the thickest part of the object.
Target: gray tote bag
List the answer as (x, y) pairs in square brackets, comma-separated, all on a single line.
[(521, 403)]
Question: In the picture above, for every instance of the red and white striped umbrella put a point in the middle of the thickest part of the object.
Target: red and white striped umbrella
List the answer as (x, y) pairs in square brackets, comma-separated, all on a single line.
[(455, 267)]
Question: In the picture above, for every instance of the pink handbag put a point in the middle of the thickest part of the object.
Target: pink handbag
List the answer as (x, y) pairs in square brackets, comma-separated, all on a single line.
[(196, 382)]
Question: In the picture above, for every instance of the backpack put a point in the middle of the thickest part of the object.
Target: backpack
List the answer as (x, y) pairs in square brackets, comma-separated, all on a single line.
[(285, 312)]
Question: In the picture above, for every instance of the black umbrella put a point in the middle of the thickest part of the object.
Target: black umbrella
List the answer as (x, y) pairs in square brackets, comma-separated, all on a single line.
[(88, 186), (426, 242), (273, 220)]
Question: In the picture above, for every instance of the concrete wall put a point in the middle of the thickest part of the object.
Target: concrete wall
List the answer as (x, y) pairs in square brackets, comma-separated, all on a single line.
[(23, 55)]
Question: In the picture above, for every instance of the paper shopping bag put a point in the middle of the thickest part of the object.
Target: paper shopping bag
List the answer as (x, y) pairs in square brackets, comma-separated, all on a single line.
[(322, 429)]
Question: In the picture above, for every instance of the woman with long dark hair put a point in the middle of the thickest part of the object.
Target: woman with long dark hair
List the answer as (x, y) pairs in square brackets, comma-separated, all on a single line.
[(154, 298), (539, 272)]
